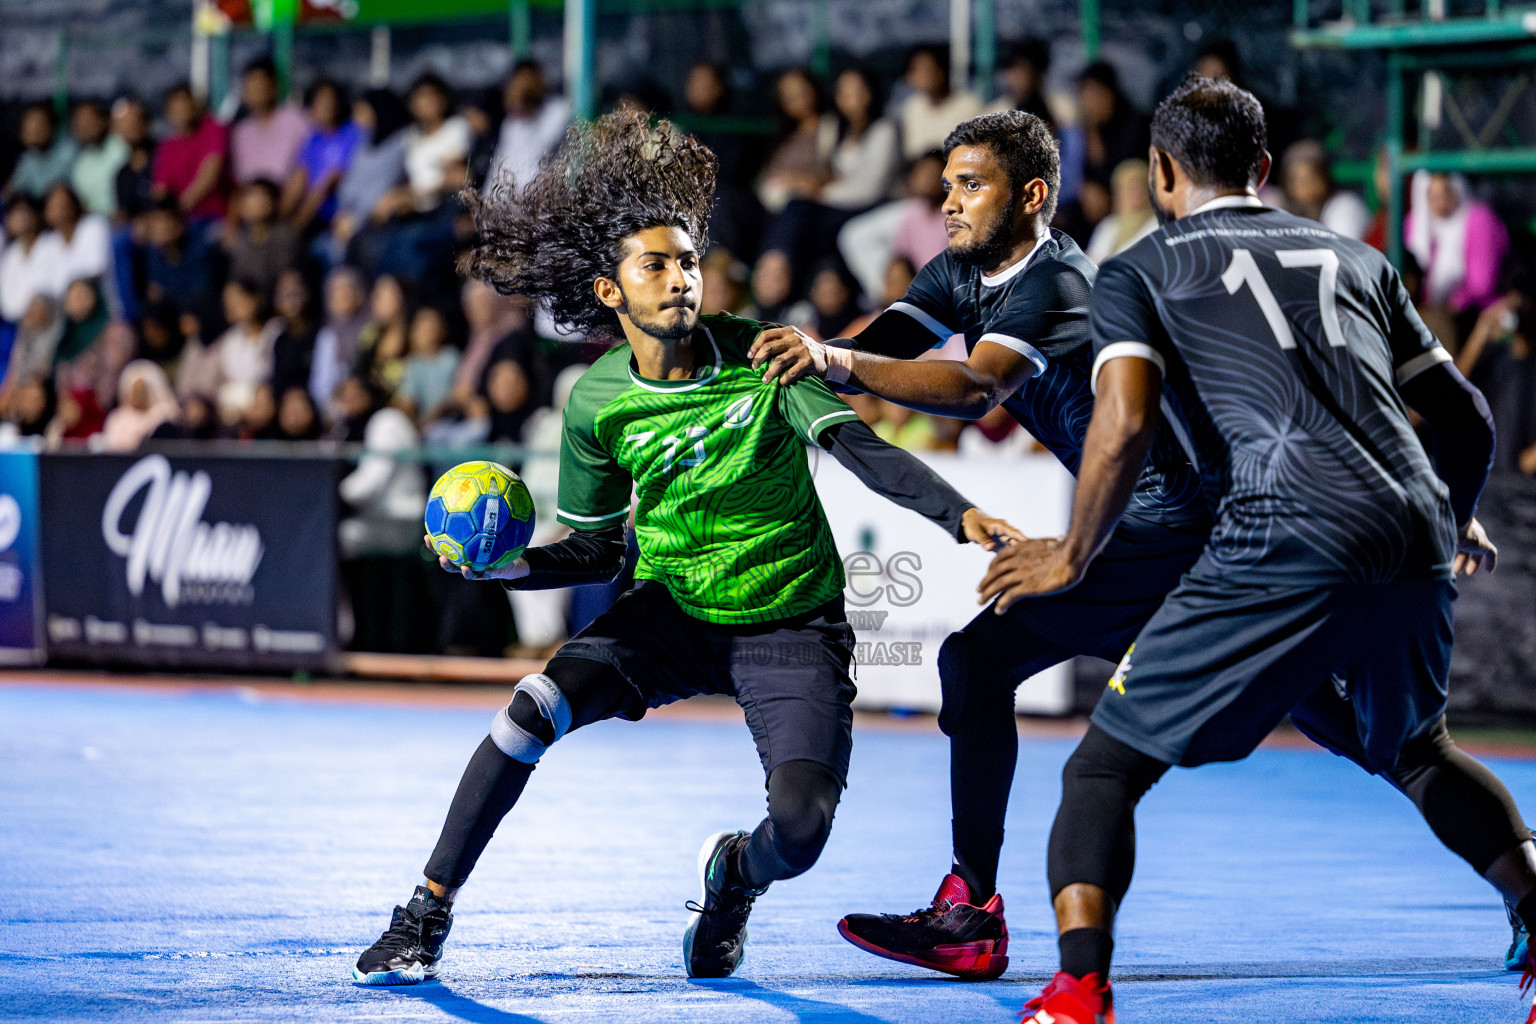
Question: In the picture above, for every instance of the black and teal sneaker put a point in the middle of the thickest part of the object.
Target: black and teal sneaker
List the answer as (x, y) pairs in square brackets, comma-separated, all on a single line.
[(1514, 960), (716, 939), (411, 950)]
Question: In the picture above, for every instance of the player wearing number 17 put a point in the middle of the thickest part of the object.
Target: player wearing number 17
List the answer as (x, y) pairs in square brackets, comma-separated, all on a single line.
[(739, 585), (1286, 357)]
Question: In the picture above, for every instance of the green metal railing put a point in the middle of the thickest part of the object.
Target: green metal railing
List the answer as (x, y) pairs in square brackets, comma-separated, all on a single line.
[(1418, 45)]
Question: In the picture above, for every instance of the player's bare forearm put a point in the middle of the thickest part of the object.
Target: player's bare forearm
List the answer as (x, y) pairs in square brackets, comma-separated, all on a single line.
[(1125, 419), (1119, 437), (942, 387)]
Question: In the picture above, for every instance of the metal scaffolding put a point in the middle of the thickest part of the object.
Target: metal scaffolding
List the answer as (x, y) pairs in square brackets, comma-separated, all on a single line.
[(1420, 52)]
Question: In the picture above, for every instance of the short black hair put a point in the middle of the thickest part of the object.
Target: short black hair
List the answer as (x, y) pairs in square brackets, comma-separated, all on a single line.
[(1022, 143), (271, 188), (1102, 72), (1030, 50), (261, 66), (1224, 50), (1214, 130), (319, 85), (553, 236), (434, 81), (167, 205)]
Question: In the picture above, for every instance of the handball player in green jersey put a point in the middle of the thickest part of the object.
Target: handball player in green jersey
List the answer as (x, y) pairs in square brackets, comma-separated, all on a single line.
[(738, 588)]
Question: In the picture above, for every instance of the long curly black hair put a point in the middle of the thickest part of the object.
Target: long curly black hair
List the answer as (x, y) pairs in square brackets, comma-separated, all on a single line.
[(610, 179)]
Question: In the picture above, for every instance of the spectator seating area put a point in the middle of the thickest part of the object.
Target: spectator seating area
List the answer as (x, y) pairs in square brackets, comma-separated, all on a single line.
[(289, 276)]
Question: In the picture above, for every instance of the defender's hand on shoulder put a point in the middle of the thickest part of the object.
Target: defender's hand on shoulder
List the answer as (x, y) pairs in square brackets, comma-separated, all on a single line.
[(790, 355)]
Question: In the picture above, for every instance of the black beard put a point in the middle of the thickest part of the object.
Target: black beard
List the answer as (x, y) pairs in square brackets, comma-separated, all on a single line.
[(656, 327), (988, 252)]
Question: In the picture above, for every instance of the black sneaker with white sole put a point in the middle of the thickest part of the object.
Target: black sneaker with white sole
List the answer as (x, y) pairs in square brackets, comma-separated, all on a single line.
[(716, 939), (411, 950)]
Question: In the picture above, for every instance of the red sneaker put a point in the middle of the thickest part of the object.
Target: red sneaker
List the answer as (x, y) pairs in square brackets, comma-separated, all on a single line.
[(1069, 1000), (1527, 977), (952, 935)]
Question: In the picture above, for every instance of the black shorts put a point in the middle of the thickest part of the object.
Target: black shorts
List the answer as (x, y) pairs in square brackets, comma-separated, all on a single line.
[(1362, 669), (981, 664), (789, 676), (1123, 587)]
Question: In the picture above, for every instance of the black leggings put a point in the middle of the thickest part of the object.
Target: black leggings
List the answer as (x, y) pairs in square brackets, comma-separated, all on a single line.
[(1093, 840), (979, 670), (802, 795)]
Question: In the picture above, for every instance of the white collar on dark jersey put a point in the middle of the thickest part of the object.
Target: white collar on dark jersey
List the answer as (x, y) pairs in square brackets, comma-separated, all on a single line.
[(1225, 203), (1017, 268)]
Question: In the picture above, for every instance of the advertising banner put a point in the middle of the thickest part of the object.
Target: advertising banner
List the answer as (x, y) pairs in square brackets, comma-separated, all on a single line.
[(209, 562), (20, 586), (910, 586)]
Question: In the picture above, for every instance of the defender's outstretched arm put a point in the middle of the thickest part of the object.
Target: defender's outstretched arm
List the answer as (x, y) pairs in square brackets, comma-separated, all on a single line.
[(1125, 419), (882, 361)]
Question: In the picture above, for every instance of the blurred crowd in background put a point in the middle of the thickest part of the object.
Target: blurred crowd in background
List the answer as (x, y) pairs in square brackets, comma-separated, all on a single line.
[(288, 276)]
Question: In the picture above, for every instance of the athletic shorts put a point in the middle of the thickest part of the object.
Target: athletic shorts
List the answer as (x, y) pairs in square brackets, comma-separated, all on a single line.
[(1100, 616), (1360, 668), (790, 676), (1122, 589)]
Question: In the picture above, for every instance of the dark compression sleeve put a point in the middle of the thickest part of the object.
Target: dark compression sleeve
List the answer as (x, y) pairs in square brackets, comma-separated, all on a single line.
[(895, 334), (586, 556), (1460, 432), (896, 475)]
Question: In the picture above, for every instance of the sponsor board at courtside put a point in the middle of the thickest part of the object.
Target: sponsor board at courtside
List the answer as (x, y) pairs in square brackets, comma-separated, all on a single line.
[(209, 561)]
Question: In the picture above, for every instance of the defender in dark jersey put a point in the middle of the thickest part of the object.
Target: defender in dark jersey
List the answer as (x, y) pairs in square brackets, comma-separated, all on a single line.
[(1285, 355), (1018, 292)]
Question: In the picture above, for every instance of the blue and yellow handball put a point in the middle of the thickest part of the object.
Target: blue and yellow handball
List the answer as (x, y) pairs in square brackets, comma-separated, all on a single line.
[(479, 515)]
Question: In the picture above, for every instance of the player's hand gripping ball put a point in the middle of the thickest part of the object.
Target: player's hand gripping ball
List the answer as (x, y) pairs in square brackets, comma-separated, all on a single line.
[(479, 516)]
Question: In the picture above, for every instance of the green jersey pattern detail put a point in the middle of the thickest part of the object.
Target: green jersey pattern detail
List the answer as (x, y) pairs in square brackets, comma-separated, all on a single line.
[(726, 515)]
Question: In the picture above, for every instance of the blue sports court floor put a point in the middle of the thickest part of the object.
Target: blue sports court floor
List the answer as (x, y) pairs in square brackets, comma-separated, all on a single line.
[(221, 854)]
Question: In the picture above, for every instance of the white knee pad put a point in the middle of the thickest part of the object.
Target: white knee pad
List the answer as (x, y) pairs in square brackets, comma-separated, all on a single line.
[(520, 744)]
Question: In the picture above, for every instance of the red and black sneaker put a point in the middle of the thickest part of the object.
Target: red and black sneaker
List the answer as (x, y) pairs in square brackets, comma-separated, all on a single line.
[(1070, 1000), (951, 935), (1527, 978)]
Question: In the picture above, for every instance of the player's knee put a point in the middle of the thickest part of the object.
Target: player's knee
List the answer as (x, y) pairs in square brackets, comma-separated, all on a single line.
[(800, 836), (963, 699), (1101, 760), (1434, 749), (802, 822), (538, 715)]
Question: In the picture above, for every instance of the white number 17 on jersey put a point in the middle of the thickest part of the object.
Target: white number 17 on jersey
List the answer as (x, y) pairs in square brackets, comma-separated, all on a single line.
[(1245, 270)]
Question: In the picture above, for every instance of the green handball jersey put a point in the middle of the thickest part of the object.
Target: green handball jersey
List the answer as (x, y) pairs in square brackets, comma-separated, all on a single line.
[(726, 515)]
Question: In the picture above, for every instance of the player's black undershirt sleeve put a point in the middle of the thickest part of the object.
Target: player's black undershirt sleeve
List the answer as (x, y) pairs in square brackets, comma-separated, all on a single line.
[(895, 334), (1461, 435), (896, 475), (586, 556)]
